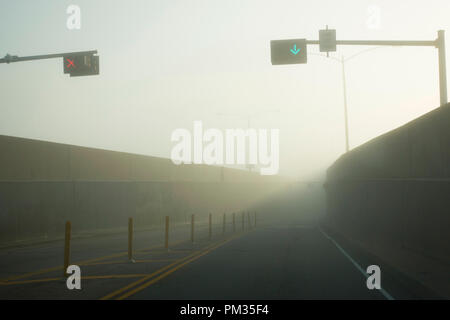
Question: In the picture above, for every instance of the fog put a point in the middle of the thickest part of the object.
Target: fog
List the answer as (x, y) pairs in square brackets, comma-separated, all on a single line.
[(119, 152), (165, 64)]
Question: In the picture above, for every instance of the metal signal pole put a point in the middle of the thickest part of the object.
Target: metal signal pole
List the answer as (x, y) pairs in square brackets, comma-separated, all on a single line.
[(439, 43)]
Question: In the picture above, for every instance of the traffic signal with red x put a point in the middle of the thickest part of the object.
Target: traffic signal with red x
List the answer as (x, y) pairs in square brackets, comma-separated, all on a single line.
[(81, 65)]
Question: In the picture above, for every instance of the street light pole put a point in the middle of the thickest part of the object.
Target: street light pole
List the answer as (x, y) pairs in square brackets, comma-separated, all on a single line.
[(344, 85), (347, 148)]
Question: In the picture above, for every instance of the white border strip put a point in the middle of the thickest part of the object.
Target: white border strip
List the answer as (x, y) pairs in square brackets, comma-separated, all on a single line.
[(384, 292)]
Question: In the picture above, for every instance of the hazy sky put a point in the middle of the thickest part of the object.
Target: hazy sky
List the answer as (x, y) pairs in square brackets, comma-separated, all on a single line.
[(165, 63)]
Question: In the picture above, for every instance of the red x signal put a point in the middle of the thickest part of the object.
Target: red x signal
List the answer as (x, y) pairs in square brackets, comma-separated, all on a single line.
[(81, 64), (70, 63)]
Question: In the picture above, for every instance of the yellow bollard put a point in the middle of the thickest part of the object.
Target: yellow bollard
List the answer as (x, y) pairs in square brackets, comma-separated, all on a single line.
[(67, 237), (130, 238), (234, 222), (224, 221), (210, 226), (192, 228), (166, 241)]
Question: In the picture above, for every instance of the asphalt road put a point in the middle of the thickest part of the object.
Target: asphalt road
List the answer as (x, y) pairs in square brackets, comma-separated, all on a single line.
[(279, 262), (284, 261)]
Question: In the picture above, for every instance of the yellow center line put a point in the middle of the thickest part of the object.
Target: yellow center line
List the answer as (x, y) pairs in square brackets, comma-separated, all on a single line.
[(112, 276), (105, 262), (30, 274), (29, 281), (154, 260), (127, 261), (167, 273), (116, 276), (80, 263), (176, 264), (131, 285)]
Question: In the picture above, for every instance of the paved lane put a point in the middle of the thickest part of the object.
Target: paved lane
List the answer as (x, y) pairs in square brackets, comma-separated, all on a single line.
[(284, 262), (290, 261)]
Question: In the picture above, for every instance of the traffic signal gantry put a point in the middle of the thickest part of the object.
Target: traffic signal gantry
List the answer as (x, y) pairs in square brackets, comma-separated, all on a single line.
[(294, 51), (76, 64)]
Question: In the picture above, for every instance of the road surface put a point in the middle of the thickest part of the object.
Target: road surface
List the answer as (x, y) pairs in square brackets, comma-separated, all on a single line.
[(283, 261)]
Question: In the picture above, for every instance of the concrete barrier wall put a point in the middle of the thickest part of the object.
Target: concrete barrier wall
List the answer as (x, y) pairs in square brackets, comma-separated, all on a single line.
[(43, 184), (394, 191)]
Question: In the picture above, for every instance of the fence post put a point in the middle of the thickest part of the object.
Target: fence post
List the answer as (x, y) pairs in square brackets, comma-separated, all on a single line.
[(234, 222), (248, 219), (255, 220), (67, 238), (210, 226), (192, 229), (130, 238), (243, 226), (224, 221), (166, 241)]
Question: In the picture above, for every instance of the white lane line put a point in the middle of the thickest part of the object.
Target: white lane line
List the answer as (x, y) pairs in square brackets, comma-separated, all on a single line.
[(383, 292)]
